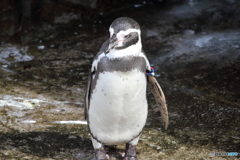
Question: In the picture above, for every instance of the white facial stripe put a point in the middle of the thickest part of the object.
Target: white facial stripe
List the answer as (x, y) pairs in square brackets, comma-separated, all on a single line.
[(128, 31), (111, 30)]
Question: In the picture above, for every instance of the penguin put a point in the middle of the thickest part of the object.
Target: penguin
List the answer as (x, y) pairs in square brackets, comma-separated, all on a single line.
[(116, 105)]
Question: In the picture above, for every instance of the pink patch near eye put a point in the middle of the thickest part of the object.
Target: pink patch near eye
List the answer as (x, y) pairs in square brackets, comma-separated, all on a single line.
[(120, 37)]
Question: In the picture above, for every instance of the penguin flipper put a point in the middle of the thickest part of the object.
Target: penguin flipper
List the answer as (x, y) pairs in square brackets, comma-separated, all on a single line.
[(87, 96), (102, 50), (160, 99)]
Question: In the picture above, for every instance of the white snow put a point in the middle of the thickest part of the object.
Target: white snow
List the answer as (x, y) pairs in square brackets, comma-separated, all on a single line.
[(10, 54), (41, 47), (203, 41), (18, 102), (29, 121), (70, 122)]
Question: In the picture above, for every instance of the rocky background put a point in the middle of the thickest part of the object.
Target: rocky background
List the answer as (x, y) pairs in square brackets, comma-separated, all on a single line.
[(17, 15), (46, 51)]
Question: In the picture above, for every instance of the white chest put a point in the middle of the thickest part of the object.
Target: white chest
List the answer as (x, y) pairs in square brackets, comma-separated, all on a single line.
[(118, 106)]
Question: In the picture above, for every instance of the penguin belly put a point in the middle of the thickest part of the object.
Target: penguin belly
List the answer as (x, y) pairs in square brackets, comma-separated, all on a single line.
[(118, 107)]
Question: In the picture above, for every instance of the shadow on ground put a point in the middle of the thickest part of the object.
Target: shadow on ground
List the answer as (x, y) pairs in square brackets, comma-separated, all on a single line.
[(48, 144)]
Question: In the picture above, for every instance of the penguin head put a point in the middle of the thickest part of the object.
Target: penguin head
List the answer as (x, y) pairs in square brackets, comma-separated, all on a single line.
[(124, 32)]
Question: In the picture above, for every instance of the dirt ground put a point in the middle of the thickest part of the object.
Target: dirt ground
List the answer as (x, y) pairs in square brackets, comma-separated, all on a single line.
[(194, 48)]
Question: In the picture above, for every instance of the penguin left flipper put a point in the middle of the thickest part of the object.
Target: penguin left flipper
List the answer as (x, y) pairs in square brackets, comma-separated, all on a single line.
[(160, 99)]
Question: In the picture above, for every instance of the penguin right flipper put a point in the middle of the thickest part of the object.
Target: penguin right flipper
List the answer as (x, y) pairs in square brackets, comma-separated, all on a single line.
[(160, 99), (87, 96), (102, 50)]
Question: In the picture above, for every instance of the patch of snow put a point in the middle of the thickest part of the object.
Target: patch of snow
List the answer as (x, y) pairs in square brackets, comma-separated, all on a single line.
[(12, 103), (10, 54), (203, 41), (138, 5), (29, 121), (189, 32), (41, 47), (22, 103), (70, 122), (18, 102), (4, 66)]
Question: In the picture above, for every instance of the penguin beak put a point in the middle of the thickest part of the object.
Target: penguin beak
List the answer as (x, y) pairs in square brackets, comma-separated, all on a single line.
[(114, 41)]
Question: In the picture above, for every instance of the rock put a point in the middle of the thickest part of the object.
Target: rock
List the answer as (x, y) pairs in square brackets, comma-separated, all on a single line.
[(16, 15), (64, 10)]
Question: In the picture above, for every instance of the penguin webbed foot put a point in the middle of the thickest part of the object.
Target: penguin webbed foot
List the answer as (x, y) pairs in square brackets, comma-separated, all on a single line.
[(130, 153), (100, 154)]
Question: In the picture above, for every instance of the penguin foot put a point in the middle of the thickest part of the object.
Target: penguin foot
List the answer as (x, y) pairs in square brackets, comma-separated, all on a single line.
[(130, 153), (100, 154)]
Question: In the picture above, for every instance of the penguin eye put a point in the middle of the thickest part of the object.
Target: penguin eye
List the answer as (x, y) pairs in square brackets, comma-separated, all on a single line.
[(127, 36)]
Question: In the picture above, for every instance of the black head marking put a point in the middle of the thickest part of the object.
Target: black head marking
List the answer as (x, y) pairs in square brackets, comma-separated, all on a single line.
[(119, 38), (133, 39)]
